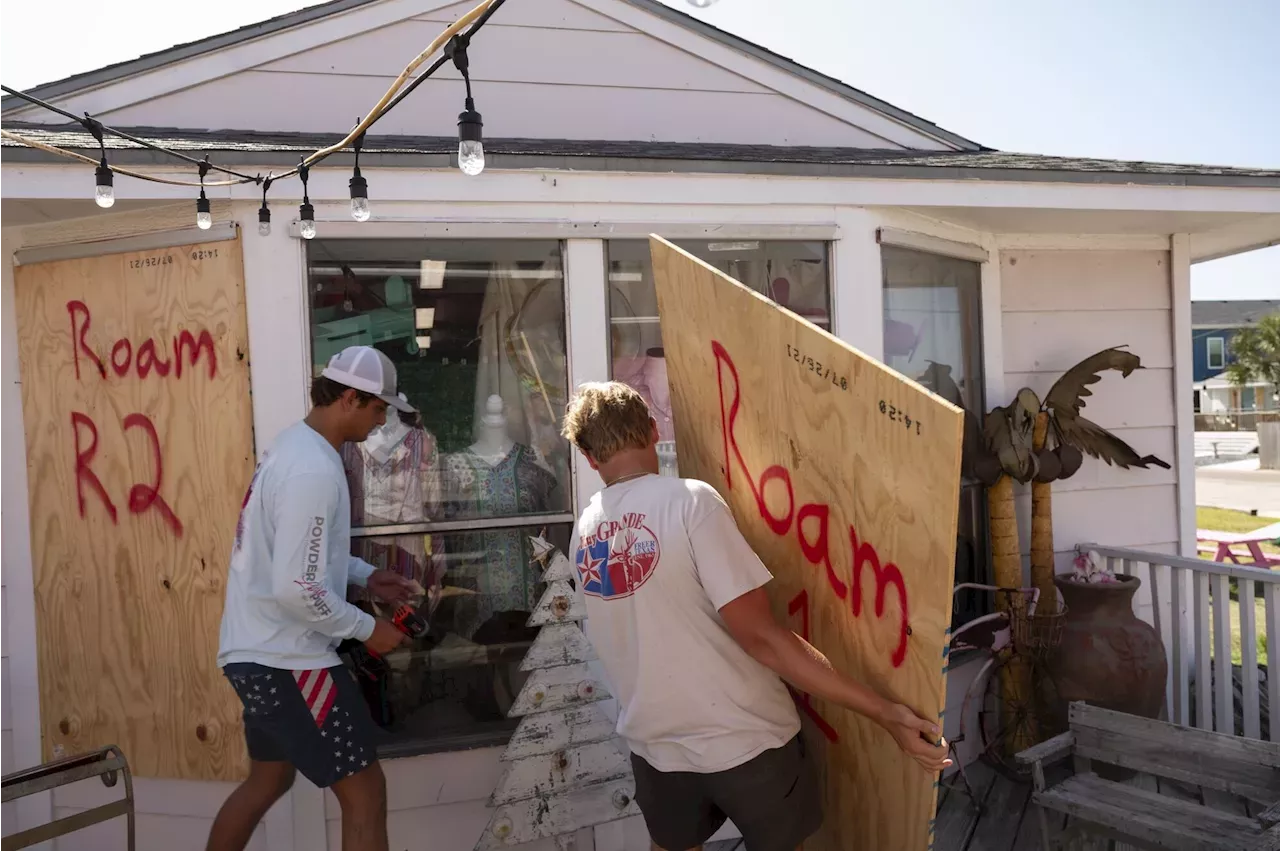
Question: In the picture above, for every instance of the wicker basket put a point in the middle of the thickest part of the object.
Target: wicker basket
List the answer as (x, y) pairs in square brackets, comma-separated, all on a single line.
[(1036, 636)]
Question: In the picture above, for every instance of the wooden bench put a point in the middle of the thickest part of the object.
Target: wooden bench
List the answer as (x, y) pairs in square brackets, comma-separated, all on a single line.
[(1248, 768)]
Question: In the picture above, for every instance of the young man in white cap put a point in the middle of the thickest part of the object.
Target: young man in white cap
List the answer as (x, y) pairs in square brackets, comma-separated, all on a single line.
[(677, 613), (286, 612)]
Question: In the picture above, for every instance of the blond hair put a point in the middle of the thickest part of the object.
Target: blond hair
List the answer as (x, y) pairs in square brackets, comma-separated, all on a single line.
[(606, 417)]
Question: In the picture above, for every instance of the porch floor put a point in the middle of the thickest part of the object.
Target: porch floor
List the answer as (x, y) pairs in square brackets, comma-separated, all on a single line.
[(1007, 820)]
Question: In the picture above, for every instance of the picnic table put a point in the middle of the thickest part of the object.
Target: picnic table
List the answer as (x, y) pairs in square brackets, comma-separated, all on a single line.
[(1220, 543)]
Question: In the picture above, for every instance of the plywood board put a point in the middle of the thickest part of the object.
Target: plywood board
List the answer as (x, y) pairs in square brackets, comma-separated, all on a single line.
[(135, 400), (844, 477)]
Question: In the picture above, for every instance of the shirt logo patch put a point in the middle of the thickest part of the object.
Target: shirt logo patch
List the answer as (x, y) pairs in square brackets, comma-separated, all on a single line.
[(617, 558)]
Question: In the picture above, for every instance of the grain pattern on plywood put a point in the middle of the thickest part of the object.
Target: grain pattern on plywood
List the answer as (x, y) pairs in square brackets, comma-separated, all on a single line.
[(135, 393), (843, 476)]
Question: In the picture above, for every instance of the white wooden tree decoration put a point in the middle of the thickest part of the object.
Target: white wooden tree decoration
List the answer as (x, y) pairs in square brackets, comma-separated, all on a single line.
[(566, 767)]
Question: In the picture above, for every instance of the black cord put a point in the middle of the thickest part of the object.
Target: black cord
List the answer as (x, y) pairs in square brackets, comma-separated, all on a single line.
[(97, 128)]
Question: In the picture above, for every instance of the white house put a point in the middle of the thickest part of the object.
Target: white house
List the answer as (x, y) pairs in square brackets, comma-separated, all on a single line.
[(604, 121)]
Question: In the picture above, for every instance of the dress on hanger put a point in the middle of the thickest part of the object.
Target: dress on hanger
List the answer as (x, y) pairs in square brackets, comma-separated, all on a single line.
[(519, 483)]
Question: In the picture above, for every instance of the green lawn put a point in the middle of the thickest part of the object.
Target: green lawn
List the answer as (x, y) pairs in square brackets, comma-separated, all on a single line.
[(1226, 520)]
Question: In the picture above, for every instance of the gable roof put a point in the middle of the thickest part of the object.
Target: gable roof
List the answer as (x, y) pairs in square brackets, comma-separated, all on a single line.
[(1231, 314), (177, 53)]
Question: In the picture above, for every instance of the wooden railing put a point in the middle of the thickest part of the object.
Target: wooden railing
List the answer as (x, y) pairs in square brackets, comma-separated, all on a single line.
[(1188, 601)]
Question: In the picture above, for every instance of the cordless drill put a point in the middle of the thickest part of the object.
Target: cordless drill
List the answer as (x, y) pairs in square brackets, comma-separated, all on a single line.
[(368, 663)]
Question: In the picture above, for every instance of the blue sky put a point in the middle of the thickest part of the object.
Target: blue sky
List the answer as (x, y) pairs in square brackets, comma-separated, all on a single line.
[(1170, 80)]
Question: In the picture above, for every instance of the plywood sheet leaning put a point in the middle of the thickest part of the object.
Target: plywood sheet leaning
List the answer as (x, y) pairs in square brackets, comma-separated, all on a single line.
[(844, 476), (135, 397)]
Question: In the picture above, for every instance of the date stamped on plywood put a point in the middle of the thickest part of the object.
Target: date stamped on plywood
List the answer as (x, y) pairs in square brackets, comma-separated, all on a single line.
[(898, 415), (823, 371)]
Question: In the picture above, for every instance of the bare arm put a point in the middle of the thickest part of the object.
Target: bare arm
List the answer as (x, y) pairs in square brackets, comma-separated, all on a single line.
[(750, 621)]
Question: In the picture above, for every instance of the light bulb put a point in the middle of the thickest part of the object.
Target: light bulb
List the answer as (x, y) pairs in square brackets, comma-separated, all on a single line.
[(307, 217), (264, 228), (104, 194), (471, 157), (264, 218), (204, 216), (360, 209)]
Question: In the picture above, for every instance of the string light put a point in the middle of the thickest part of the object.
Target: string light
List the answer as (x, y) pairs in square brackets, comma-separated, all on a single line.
[(264, 212), (306, 213), (470, 144), (470, 133), (103, 193), (359, 187), (204, 215)]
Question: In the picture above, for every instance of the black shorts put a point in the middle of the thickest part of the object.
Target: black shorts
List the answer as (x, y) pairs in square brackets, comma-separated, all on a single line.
[(317, 721), (773, 799)]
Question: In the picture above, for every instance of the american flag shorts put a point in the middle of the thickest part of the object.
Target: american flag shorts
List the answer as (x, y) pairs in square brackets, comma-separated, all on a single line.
[(317, 720)]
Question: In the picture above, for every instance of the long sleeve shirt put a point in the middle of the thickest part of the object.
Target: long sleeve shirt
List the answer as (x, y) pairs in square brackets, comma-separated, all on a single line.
[(286, 603)]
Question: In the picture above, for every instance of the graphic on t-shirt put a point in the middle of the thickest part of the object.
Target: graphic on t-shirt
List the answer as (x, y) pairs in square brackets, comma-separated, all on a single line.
[(617, 558), (240, 520)]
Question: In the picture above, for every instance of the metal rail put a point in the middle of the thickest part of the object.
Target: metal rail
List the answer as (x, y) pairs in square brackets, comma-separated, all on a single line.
[(108, 763)]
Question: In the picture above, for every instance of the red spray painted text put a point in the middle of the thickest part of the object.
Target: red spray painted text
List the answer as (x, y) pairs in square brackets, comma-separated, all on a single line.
[(812, 523), (147, 358)]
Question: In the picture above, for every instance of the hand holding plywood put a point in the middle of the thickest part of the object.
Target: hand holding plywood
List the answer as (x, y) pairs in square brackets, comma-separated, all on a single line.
[(844, 477)]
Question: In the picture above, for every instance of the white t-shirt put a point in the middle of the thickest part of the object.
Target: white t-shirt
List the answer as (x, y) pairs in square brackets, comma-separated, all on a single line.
[(291, 562), (657, 558)]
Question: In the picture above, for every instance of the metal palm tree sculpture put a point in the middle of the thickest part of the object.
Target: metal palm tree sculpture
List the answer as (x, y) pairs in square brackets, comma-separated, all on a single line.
[(1038, 441)]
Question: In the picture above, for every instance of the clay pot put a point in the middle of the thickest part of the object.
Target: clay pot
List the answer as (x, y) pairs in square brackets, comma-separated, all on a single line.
[(1108, 656)]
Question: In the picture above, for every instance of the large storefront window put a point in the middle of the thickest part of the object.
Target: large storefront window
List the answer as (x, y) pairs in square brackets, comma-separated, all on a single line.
[(451, 496), (793, 274), (933, 334)]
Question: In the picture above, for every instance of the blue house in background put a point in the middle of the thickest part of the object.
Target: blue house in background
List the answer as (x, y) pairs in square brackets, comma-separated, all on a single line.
[(1213, 324)]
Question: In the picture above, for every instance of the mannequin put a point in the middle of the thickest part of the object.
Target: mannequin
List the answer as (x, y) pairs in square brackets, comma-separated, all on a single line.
[(658, 392), (494, 444), (496, 476)]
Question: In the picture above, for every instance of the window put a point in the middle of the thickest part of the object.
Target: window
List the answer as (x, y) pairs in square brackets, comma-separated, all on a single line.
[(1215, 352), (450, 497), (793, 274), (933, 334)]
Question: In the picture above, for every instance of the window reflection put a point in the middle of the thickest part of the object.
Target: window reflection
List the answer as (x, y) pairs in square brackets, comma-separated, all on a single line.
[(932, 333), (454, 686)]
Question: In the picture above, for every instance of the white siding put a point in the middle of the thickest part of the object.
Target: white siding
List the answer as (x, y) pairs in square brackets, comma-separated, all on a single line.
[(541, 69), (1058, 308)]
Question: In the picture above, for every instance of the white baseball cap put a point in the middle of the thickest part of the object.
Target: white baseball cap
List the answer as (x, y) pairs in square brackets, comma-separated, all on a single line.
[(366, 369)]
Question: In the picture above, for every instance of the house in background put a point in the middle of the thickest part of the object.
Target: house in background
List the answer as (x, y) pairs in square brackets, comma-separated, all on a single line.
[(1220, 404)]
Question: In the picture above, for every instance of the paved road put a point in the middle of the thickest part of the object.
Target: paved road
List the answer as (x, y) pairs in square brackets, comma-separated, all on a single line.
[(1239, 485)]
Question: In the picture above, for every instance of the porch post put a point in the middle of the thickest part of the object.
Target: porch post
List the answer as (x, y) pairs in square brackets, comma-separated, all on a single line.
[(1184, 415)]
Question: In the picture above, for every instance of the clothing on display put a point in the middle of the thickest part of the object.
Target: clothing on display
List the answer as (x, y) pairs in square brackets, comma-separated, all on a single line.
[(495, 477), (394, 478)]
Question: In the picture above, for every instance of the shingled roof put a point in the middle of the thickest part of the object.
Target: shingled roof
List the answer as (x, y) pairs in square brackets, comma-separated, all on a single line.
[(246, 147), (1232, 314)]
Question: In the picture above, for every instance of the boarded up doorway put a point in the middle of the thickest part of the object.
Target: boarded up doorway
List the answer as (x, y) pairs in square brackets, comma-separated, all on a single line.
[(136, 408)]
